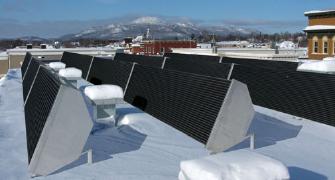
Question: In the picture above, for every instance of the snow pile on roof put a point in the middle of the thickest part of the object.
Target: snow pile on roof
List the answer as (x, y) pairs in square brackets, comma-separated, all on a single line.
[(236, 165), (57, 65), (287, 45), (329, 59), (70, 73), (319, 66), (138, 39), (319, 27), (3, 53), (101, 92)]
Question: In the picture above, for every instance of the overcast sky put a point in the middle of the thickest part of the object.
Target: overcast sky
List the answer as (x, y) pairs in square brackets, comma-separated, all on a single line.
[(51, 18)]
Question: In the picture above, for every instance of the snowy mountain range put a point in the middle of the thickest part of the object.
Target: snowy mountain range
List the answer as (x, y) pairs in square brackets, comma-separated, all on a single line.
[(160, 28)]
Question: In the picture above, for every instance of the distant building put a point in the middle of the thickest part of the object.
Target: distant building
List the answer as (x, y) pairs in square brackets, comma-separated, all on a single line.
[(320, 34), (233, 44), (128, 42), (154, 47), (204, 45)]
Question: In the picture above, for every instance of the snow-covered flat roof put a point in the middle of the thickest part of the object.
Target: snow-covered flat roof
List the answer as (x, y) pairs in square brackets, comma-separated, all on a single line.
[(143, 147), (316, 12), (3, 56), (91, 51), (325, 66), (319, 27)]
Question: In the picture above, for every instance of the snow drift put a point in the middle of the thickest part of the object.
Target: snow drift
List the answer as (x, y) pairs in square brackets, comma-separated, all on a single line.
[(236, 165), (329, 59), (327, 66)]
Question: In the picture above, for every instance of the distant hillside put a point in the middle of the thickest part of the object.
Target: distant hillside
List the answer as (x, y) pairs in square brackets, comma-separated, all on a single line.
[(160, 28)]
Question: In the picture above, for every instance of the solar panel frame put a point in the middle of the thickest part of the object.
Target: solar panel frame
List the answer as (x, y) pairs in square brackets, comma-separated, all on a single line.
[(29, 77), (25, 63), (187, 102), (106, 71), (153, 61), (196, 66), (80, 61), (304, 94), (269, 64), (38, 106)]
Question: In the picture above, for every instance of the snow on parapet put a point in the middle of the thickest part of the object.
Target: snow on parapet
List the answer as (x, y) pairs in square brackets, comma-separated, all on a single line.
[(318, 12), (326, 66), (237, 165), (319, 27), (329, 59), (103, 92)]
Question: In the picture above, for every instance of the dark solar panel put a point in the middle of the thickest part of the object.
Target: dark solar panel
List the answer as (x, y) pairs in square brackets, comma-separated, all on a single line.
[(153, 61), (29, 77), (47, 61), (185, 101), (203, 58), (271, 64), (304, 94), (106, 71), (38, 106), (79, 61), (25, 63), (203, 67)]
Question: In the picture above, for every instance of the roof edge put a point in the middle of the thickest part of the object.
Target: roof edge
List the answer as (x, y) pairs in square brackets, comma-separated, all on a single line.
[(319, 12)]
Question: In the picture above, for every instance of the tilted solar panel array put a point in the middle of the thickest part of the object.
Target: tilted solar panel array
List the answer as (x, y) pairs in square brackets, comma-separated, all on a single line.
[(38, 106), (29, 77), (25, 63), (105, 71), (79, 61), (187, 102), (271, 64), (153, 61), (304, 94), (203, 58), (203, 67)]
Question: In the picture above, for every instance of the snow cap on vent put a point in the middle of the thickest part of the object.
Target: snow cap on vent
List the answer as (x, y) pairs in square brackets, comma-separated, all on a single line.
[(236, 165), (57, 65), (102, 92), (70, 73)]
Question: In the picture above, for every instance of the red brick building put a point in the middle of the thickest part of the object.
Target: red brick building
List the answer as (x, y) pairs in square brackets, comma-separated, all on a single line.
[(154, 47), (321, 34)]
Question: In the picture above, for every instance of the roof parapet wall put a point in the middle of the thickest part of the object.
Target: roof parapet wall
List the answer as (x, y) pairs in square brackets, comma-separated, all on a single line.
[(319, 12)]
